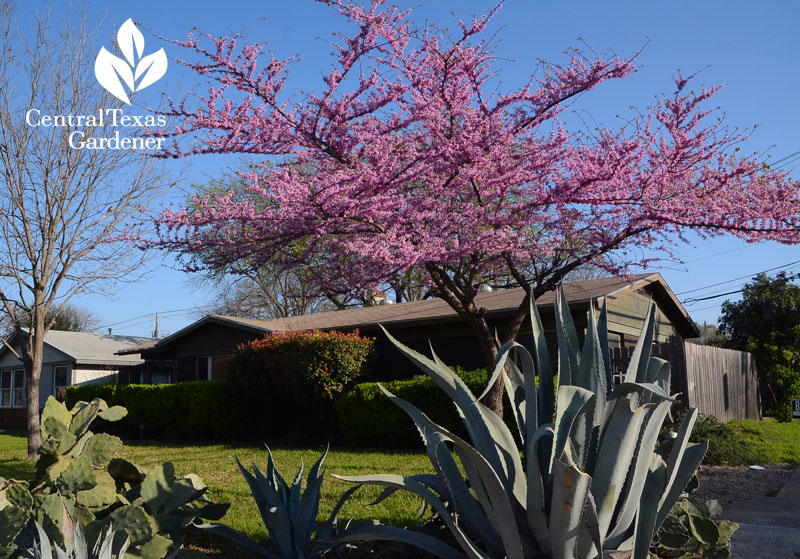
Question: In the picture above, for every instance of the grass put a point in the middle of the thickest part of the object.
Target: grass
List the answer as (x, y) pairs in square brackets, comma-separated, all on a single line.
[(215, 464), (775, 443)]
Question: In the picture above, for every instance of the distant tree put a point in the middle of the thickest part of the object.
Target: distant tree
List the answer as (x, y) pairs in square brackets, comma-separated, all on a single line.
[(709, 335), (766, 322), (424, 161), (69, 318), (60, 206)]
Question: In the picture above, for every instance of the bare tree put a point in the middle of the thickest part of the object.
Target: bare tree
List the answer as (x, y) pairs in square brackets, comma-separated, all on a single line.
[(61, 203), (69, 318), (264, 294)]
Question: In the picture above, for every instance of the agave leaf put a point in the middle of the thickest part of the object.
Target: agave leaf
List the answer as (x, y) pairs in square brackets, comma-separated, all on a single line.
[(637, 368), (513, 382), (451, 384), (570, 492), (370, 530), (308, 507), (326, 529), (591, 371), (529, 407), (646, 523), (618, 444), (571, 400), (485, 522), (536, 505), (568, 352), (544, 366), (654, 366), (678, 448), (663, 377), (486, 430), (474, 507), (499, 365), (591, 541), (273, 510), (498, 497), (401, 482), (692, 456), (305, 516), (638, 475), (294, 494), (625, 388), (233, 535), (602, 333), (275, 479)]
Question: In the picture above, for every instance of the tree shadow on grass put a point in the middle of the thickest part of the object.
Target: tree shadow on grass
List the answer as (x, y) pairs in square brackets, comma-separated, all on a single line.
[(15, 467)]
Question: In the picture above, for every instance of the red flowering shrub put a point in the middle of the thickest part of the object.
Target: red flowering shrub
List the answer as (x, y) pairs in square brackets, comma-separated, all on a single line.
[(287, 381)]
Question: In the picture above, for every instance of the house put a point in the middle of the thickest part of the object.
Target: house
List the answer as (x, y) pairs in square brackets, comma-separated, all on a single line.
[(70, 358), (201, 351)]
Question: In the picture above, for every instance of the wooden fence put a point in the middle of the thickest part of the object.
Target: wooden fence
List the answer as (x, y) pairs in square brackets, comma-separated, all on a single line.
[(716, 381)]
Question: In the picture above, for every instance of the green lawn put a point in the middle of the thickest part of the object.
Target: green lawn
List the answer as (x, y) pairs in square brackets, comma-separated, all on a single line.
[(776, 443), (215, 464)]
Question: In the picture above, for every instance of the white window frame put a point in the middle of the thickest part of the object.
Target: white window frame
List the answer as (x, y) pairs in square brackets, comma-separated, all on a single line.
[(12, 388), (69, 378)]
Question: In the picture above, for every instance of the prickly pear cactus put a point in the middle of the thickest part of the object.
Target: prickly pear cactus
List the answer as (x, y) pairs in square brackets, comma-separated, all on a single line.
[(77, 478)]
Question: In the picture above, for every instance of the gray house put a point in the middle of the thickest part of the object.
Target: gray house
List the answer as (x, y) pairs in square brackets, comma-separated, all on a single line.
[(70, 358)]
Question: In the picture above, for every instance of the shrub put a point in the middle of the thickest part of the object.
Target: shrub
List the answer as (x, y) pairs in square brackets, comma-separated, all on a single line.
[(287, 381), (186, 410), (726, 447), (365, 420)]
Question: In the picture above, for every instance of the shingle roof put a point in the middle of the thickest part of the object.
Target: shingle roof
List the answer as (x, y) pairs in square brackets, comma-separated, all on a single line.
[(495, 302), (93, 349)]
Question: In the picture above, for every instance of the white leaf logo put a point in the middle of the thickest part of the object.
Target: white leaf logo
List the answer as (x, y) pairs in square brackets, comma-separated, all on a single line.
[(112, 71)]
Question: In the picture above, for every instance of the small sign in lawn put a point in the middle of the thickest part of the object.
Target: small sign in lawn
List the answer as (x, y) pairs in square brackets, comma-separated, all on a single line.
[(795, 409)]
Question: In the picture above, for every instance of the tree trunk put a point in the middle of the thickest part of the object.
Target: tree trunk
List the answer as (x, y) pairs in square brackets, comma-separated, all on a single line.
[(32, 359), (494, 398)]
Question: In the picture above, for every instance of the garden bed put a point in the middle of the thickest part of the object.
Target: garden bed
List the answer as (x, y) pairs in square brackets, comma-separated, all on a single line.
[(731, 484)]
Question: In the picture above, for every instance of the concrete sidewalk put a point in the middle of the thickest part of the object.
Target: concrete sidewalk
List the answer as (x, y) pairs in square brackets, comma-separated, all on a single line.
[(769, 527)]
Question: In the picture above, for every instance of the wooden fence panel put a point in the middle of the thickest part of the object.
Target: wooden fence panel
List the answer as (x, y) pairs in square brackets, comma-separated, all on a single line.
[(719, 382), (722, 382)]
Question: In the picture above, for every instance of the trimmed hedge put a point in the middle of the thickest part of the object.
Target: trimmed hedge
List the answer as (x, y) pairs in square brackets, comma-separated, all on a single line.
[(366, 417), (186, 410)]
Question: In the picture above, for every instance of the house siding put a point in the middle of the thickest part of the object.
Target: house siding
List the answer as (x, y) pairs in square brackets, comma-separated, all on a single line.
[(100, 374)]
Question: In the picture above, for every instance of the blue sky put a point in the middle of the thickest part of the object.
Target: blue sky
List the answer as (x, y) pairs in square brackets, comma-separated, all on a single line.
[(751, 47)]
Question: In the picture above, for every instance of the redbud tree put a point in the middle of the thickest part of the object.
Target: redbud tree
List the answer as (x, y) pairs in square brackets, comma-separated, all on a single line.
[(411, 158)]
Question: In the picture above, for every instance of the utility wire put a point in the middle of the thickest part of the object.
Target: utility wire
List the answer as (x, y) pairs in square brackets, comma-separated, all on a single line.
[(784, 158), (693, 300), (174, 311), (739, 278)]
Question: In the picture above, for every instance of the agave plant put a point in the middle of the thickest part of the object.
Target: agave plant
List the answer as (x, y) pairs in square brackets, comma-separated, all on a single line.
[(109, 546), (583, 480), (288, 512)]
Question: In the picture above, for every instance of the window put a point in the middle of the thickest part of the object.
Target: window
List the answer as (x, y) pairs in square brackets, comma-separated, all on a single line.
[(203, 368), (60, 382), (12, 389)]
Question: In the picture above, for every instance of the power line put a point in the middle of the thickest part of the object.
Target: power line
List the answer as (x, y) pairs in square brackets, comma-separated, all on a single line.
[(739, 278), (787, 163), (784, 158), (174, 311), (693, 300)]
